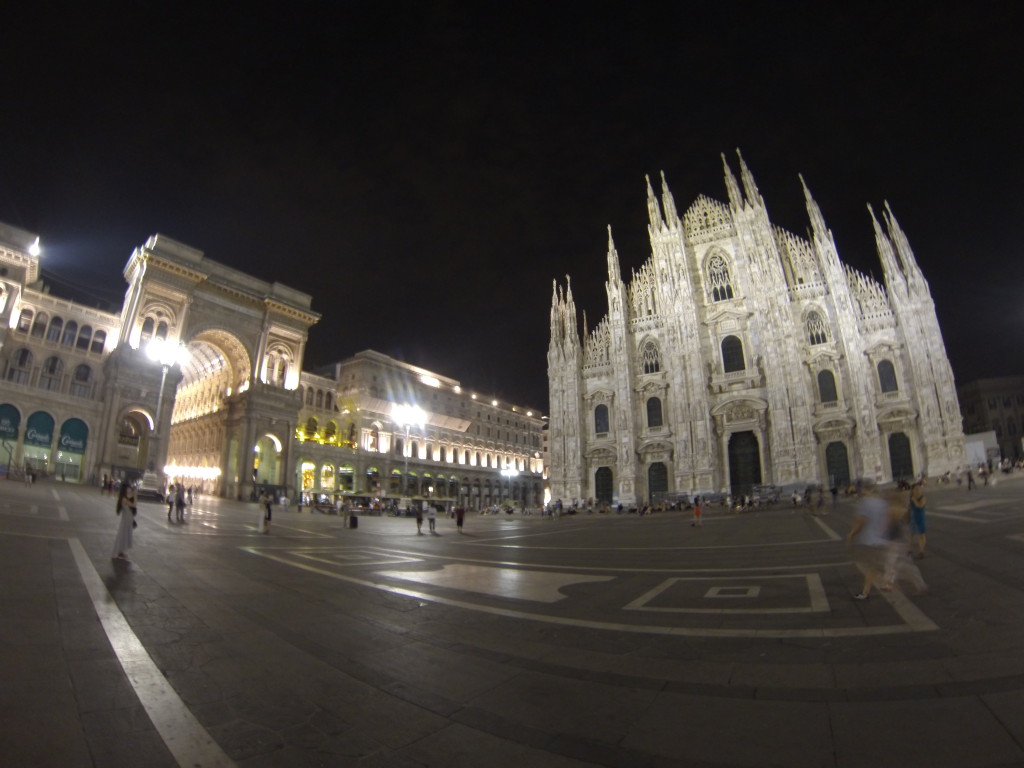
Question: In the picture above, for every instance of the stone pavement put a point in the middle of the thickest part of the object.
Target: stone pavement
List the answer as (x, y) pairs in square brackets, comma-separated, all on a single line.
[(587, 640)]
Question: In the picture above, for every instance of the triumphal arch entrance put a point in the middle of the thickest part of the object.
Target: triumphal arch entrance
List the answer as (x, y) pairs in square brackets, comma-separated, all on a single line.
[(204, 380)]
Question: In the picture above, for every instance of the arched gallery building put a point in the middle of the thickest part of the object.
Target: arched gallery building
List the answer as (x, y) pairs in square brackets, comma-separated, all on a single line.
[(199, 377)]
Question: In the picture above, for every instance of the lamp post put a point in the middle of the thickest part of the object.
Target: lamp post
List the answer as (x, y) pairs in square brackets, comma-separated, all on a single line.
[(165, 353), (510, 472), (406, 415)]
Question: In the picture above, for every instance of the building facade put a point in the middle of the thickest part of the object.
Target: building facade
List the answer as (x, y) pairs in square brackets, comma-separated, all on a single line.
[(197, 374), (199, 379), (375, 430), (996, 405), (741, 354)]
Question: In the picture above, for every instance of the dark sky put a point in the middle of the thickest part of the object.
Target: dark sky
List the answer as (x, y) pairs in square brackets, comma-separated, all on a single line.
[(425, 170)]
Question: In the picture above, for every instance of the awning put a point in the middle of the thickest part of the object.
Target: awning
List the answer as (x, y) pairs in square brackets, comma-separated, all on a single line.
[(39, 429), (10, 420), (74, 434)]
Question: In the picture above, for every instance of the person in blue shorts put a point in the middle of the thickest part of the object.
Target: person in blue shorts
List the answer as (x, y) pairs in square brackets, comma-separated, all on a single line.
[(918, 523)]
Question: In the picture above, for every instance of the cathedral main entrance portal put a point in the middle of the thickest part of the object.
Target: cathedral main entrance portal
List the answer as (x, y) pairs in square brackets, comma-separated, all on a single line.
[(744, 463), (900, 459), (657, 480), (837, 463), (603, 485)]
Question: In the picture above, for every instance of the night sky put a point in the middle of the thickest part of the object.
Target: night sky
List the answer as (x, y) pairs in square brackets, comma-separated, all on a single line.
[(426, 170)]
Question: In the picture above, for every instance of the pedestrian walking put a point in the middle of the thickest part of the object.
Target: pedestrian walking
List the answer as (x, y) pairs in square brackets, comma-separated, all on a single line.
[(170, 502), (697, 510), (267, 503), (868, 537), (126, 510), (460, 515), (432, 520), (179, 502), (898, 564), (918, 523), (970, 479), (419, 521)]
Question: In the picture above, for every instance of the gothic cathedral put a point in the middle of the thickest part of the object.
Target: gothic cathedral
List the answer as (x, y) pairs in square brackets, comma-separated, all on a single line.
[(741, 355)]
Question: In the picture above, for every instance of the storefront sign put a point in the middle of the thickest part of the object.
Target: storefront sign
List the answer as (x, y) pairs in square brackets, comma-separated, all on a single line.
[(74, 435), (10, 420), (39, 429)]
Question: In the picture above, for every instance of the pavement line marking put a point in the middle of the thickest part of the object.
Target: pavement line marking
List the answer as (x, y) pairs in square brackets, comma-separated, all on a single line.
[(55, 494), (827, 529), (62, 513), (961, 518), (185, 737), (815, 589), (590, 624), (519, 564), (33, 510)]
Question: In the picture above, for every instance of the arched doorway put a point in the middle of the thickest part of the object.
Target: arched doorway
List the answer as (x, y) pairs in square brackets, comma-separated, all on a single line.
[(837, 464), (603, 485), (657, 480), (744, 463), (900, 459), (267, 461)]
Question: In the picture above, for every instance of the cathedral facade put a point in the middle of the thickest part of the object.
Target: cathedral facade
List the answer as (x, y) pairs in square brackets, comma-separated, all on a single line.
[(741, 354)]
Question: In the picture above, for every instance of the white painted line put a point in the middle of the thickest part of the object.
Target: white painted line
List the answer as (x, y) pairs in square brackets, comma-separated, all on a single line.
[(612, 569), (514, 583), (818, 602), (185, 737), (961, 518), (827, 529), (62, 512), (33, 510), (55, 494)]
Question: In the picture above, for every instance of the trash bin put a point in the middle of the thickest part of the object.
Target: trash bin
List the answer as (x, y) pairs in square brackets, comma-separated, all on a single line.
[(353, 521)]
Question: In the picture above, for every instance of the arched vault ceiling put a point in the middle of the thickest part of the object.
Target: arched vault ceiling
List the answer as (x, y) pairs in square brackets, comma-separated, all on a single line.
[(216, 353)]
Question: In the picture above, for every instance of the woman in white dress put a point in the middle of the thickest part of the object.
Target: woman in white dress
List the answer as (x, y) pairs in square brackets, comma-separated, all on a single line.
[(126, 512)]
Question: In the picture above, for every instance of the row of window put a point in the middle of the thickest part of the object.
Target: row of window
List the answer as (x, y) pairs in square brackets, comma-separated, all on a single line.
[(55, 330), (51, 374), (732, 347), (827, 393)]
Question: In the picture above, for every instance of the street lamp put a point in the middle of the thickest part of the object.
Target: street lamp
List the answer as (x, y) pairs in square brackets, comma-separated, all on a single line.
[(165, 353), (406, 415), (510, 472)]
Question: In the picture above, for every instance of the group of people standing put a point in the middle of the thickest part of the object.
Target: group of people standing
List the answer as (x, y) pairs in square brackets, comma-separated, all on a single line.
[(431, 514), (889, 532), (178, 500)]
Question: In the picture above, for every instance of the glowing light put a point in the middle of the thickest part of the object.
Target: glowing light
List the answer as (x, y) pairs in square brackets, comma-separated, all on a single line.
[(457, 389), (430, 381), (494, 402), (34, 249)]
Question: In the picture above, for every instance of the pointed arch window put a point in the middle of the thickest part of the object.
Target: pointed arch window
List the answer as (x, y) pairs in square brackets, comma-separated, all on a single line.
[(654, 417), (887, 376), (25, 320), (50, 374), (99, 340), (817, 333), (54, 331), (827, 387), (39, 326), (719, 279), (20, 366), (70, 334), (650, 358), (81, 381), (601, 419), (84, 338), (732, 355), (147, 328)]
